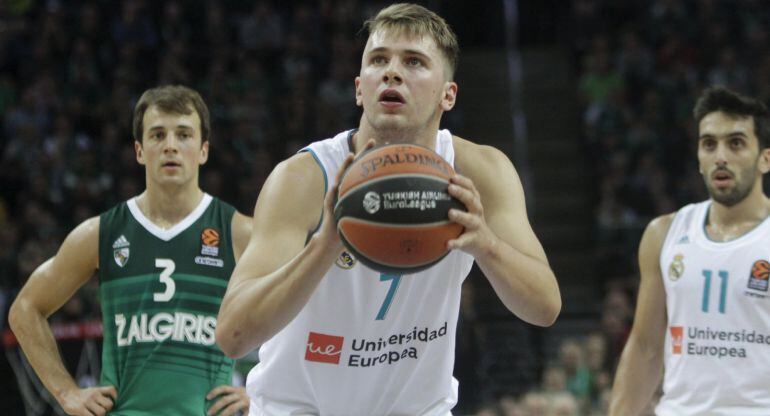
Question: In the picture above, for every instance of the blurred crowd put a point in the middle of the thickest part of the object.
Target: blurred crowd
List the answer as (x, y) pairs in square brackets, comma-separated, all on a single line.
[(278, 75), (640, 67), (275, 78)]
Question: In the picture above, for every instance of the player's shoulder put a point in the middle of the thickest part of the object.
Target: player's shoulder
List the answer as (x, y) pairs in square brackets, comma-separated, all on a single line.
[(301, 167), (86, 230), (657, 229), (478, 158)]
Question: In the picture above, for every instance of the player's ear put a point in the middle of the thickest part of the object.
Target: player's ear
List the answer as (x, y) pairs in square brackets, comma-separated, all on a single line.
[(764, 160), (204, 155), (139, 152), (450, 96), (359, 98)]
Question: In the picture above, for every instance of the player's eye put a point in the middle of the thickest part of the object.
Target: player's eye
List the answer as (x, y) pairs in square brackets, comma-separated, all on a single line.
[(379, 60), (413, 62)]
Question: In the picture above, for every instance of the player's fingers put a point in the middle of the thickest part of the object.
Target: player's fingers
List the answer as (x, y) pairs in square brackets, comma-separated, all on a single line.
[(95, 408), (458, 243), (242, 404), (369, 144), (344, 167), (103, 401), (216, 391), (221, 403), (109, 391), (466, 183), (467, 197), (467, 220)]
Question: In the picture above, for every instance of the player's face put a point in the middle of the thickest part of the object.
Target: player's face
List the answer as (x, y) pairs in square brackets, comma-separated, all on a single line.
[(729, 156), (171, 149), (404, 82)]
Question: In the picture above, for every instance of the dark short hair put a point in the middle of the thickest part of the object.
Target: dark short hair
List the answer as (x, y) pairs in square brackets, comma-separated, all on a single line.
[(415, 20), (175, 99), (735, 105)]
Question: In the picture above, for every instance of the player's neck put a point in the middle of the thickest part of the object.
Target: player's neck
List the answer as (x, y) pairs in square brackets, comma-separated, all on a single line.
[(167, 207), (425, 136), (727, 223)]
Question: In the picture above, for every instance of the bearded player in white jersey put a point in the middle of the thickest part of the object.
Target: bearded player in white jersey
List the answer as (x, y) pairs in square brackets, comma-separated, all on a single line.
[(336, 337), (703, 313)]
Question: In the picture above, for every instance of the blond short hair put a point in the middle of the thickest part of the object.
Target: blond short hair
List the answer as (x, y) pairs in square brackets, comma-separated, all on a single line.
[(415, 20)]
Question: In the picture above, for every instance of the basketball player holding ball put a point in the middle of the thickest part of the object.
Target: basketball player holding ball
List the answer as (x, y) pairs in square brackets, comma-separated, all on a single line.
[(703, 313), (336, 337)]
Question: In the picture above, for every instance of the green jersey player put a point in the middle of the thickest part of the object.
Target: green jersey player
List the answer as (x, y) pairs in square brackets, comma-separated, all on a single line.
[(163, 259)]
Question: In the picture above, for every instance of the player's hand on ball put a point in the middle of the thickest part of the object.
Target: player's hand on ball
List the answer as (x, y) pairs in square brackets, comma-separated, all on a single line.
[(329, 225), (88, 402), (231, 400), (477, 237)]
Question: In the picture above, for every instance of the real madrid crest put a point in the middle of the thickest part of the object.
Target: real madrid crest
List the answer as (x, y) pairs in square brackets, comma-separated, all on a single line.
[(121, 251), (345, 261), (676, 268)]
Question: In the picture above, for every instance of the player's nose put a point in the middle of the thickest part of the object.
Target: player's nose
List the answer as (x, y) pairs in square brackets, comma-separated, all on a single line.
[(392, 73)]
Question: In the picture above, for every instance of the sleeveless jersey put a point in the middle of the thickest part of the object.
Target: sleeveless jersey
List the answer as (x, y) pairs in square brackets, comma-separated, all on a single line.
[(160, 292), (717, 346), (366, 343)]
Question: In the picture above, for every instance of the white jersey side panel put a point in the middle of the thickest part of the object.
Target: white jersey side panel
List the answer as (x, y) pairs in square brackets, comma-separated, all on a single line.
[(717, 347), (366, 343)]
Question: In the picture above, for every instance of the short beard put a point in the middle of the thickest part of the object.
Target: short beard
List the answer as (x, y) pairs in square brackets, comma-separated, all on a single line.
[(738, 193)]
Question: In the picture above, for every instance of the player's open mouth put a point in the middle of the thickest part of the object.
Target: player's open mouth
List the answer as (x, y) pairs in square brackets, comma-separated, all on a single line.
[(391, 98), (722, 177)]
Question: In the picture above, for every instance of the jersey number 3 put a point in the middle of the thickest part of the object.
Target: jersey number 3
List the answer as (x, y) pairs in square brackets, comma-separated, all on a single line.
[(168, 267)]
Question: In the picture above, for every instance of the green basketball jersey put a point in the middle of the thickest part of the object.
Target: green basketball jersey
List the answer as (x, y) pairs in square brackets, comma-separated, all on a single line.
[(160, 292)]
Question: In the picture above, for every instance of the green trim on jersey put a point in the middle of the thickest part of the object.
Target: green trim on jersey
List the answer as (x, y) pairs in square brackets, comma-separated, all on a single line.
[(160, 301)]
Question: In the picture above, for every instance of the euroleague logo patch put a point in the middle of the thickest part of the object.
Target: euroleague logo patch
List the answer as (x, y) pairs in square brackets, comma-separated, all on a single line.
[(210, 242), (758, 278), (209, 249)]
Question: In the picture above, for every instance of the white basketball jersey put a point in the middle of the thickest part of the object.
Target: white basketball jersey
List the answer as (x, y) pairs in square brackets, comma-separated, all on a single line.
[(717, 348), (366, 343)]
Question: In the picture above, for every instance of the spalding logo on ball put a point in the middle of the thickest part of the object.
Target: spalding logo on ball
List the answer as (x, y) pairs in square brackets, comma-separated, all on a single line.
[(392, 208)]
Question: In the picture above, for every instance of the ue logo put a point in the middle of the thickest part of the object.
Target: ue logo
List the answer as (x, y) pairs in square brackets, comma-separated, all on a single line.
[(323, 348), (677, 333)]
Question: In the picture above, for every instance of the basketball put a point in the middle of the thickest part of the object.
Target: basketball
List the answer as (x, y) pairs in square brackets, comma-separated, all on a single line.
[(392, 208)]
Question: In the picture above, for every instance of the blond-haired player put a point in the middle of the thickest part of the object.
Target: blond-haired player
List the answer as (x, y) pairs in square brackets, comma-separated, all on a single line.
[(337, 337)]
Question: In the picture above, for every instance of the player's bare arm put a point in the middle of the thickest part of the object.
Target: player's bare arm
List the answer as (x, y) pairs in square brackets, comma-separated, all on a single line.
[(498, 234), (48, 288), (641, 364), (241, 232), (278, 272)]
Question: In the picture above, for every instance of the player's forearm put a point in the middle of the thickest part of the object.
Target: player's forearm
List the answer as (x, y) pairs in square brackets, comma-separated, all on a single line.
[(526, 285), (36, 340), (256, 309), (636, 380)]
